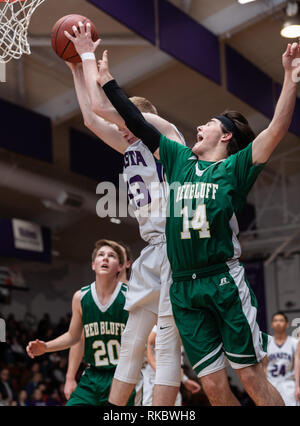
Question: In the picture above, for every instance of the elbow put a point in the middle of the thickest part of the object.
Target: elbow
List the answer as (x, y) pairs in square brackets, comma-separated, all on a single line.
[(88, 122), (74, 338)]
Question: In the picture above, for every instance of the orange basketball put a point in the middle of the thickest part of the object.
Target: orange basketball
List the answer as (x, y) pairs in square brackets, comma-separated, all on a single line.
[(62, 46)]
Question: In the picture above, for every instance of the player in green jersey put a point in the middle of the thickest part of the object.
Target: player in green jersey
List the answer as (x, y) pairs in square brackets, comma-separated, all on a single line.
[(76, 353), (213, 305), (98, 312)]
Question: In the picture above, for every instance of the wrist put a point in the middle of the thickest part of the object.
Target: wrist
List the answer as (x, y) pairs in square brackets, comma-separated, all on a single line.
[(70, 377), (88, 56), (105, 78), (290, 77)]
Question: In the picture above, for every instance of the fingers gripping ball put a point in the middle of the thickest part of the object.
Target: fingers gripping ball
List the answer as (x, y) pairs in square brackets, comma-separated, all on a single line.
[(64, 47)]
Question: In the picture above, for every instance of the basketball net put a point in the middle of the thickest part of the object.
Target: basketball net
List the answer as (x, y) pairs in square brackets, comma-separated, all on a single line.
[(15, 17)]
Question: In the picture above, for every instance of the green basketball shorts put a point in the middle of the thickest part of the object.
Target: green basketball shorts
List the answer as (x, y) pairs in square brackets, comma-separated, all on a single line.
[(93, 388), (216, 319)]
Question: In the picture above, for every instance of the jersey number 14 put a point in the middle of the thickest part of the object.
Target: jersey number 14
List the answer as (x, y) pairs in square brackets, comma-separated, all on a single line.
[(198, 223)]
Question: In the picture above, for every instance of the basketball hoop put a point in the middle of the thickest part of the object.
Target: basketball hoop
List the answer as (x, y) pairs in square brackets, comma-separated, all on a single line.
[(15, 17)]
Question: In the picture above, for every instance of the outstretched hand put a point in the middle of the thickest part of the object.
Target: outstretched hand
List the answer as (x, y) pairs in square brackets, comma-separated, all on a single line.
[(104, 74), (291, 58), (82, 40), (36, 348)]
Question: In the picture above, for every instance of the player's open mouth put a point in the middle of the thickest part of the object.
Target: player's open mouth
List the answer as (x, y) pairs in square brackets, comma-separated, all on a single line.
[(200, 137), (104, 266)]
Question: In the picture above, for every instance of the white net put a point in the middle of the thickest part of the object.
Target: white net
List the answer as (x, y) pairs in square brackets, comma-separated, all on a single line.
[(15, 17)]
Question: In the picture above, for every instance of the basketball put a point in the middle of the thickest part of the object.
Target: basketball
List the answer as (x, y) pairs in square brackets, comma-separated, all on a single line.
[(62, 46)]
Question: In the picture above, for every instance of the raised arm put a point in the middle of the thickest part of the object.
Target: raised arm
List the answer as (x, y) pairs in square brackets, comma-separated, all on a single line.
[(266, 142), (84, 44), (133, 118), (66, 340), (106, 131), (102, 104)]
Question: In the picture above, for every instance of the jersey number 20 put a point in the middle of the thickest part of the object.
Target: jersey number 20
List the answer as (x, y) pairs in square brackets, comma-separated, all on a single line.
[(106, 354)]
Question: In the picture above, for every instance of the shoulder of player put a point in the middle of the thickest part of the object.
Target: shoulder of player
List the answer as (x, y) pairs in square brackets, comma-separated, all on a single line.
[(83, 291), (174, 145), (245, 152), (76, 302), (77, 295)]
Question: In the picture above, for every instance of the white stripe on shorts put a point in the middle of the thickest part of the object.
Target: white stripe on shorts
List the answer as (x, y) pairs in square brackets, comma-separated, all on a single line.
[(211, 354), (238, 355), (237, 273)]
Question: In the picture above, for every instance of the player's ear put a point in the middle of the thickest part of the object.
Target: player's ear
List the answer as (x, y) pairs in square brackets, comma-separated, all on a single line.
[(226, 137), (93, 266)]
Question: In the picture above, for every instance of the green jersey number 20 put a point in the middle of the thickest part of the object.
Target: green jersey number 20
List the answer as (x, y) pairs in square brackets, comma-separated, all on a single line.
[(106, 353)]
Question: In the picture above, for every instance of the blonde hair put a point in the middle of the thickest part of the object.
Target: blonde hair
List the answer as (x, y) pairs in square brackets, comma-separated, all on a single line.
[(144, 105)]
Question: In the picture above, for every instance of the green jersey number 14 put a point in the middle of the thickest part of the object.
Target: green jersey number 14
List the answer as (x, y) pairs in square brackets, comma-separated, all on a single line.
[(198, 223)]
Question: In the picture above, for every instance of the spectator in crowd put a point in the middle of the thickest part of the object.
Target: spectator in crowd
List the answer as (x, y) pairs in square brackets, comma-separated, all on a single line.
[(33, 384), (54, 399), (46, 374), (18, 350), (22, 399), (37, 398), (28, 373), (6, 392), (59, 372)]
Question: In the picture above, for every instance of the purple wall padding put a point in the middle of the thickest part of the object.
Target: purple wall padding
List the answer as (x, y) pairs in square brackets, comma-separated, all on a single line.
[(188, 41), (135, 14), (249, 83), (25, 132), (91, 157), (295, 124)]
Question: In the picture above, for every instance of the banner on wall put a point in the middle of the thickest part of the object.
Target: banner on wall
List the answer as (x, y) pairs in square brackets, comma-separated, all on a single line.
[(27, 235)]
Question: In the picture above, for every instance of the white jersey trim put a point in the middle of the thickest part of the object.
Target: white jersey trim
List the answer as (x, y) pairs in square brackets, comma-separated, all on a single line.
[(104, 308)]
